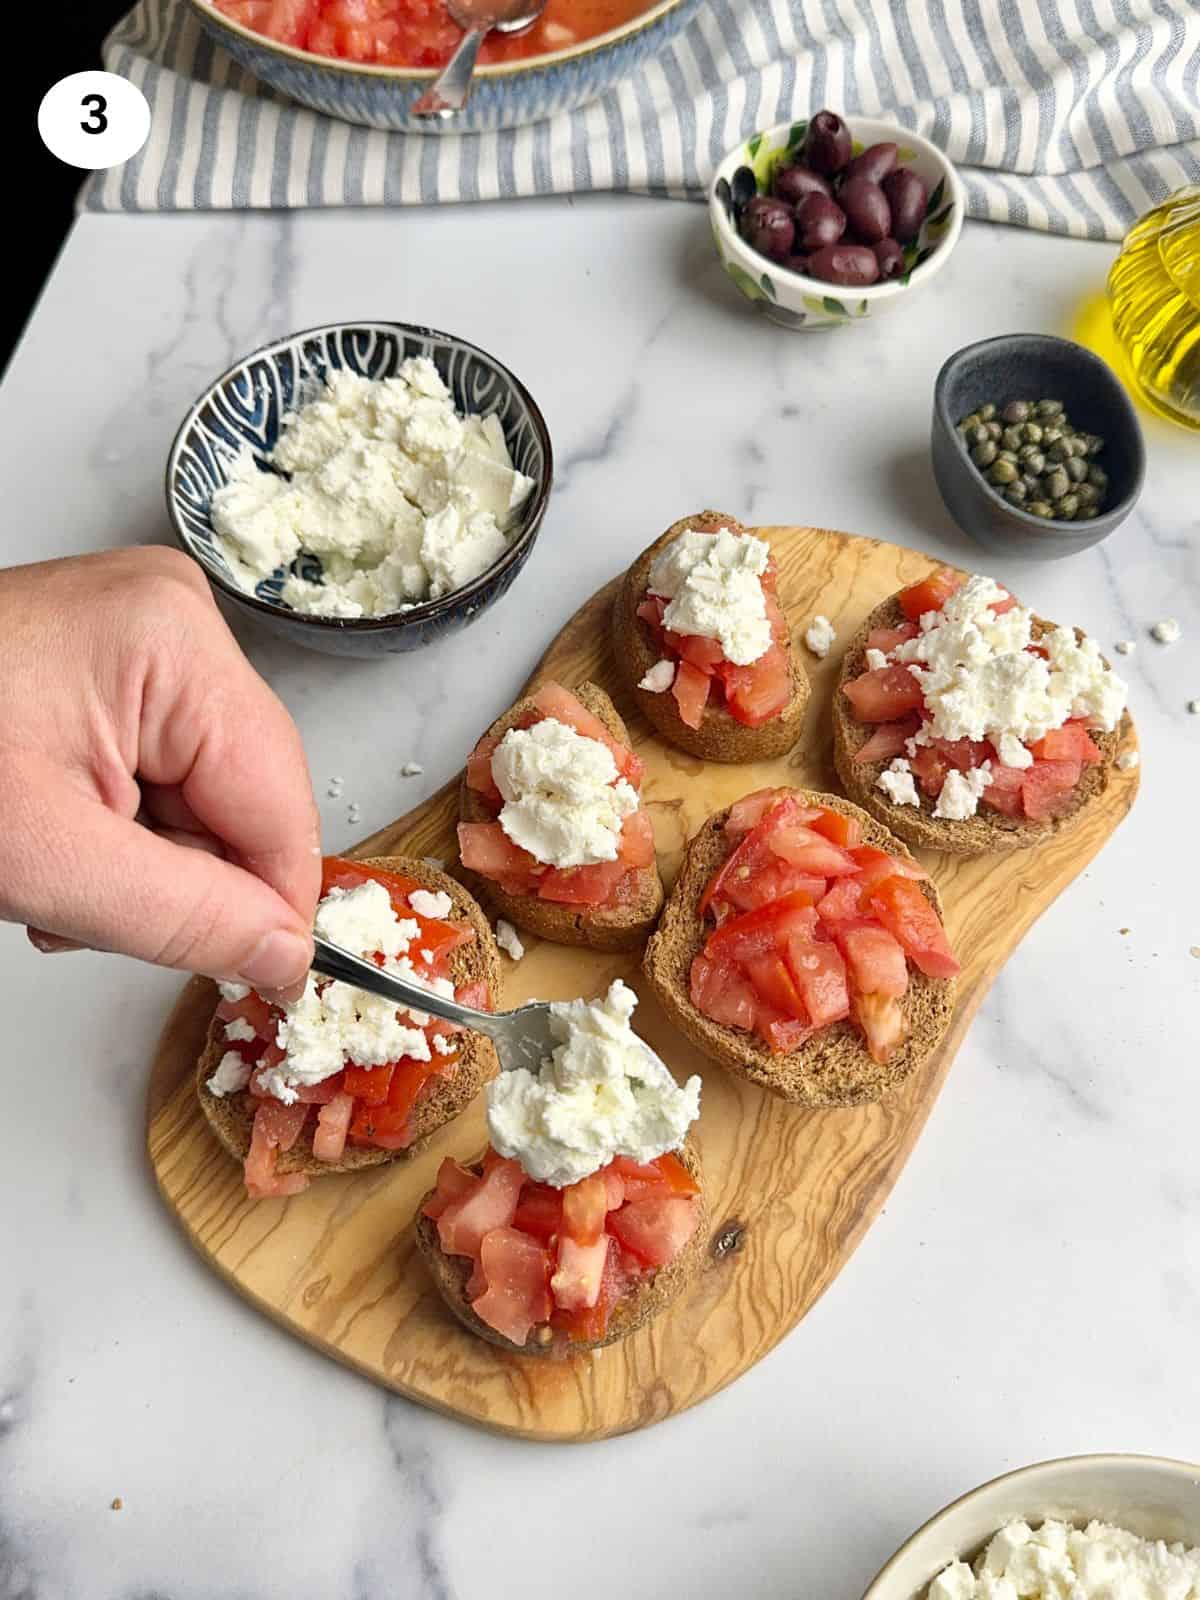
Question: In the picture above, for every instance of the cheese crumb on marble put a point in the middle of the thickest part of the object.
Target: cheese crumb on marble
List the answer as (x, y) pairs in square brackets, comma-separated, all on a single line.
[(659, 677), (819, 636), (411, 769), (1167, 631), (509, 940), (712, 583), (896, 781), (1125, 647), (1194, 707)]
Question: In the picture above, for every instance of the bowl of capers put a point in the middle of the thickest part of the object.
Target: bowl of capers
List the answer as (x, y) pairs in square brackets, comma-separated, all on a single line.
[(1037, 450)]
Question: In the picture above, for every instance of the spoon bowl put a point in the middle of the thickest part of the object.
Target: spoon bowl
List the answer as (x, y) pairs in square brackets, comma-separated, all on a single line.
[(451, 89)]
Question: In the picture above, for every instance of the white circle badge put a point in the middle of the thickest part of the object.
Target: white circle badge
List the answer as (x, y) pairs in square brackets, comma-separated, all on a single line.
[(94, 120)]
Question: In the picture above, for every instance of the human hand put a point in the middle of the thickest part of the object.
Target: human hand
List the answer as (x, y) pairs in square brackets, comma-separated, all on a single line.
[(154, 795)]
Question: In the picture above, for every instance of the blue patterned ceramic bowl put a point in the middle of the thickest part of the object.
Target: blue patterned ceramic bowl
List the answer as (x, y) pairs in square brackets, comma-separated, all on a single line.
[(505, 94), (246, 406)]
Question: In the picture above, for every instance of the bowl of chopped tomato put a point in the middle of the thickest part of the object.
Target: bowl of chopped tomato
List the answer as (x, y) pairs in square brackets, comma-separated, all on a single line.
[(367, 61)]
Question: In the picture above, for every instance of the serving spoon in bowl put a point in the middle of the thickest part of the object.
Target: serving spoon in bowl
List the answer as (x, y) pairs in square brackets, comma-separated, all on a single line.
[(451, 89)]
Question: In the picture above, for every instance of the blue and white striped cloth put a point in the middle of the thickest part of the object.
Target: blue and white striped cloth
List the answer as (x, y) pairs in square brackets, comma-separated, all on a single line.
[(1072, 116)]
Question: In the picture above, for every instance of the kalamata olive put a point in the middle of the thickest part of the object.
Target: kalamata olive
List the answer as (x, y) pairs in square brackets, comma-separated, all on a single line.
[(851, 264), (798, 264), (867, 212), (907, 197), (743, 188), (827, 146), (890, 257), (876, 161), (767, 226), (819, 221), (793, 183)]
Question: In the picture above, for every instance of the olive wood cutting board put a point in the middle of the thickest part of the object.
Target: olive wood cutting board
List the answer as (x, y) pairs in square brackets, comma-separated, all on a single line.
[(791, 1192)]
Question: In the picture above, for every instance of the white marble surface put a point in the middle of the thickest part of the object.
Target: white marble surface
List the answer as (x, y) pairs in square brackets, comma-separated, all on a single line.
[(1033, 1287)]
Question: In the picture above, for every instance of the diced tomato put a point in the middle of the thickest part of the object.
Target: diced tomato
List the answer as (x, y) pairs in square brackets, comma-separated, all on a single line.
[(387, 1125), (593, 885), (776, 986), (875, 865), (765, 931), (820, 975), (614, 1188), (491, 1204), (281, 1124), (655, 1230), (369, 1084), (651, 612), (320, 1094), (964, 754), (333, 1122), (584, 1205), (720, 991), (517, 1272), (887, 639), (760, 691), (539, 1211), (888, 740), (691, 690), (575, 1284), (338, 872), (882, 1020), (1048, 787), (781, 1034), (843, 903), (749, 811), (875, 960), (752, 852), (262, 1179), (901, 906), (884, 694), (263, 1018), (590, 1323), (486, 848), (1071, 742), (807, 849), (929, 767), (1003, 793), (479, 770), (769, 883), (637, 840), (705, 654), (454, 1181), (930, 594), (842, 830), (552, 700), (472, 994)]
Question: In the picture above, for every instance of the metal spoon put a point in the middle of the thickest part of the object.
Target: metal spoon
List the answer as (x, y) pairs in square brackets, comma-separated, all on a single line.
[(451, 89), (522, 1037)]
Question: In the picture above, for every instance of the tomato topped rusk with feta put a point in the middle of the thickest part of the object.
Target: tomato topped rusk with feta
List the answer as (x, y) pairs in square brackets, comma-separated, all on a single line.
[(976, 703), (568, 825), (585, 1193), (339, 1065), (712, 610), (808, 926)]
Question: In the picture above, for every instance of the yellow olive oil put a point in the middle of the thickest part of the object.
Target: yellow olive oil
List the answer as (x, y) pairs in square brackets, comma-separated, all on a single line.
[(1154, 292)]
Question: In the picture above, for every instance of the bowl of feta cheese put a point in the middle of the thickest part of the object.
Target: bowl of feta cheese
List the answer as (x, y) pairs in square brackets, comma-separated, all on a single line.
[(362, 488), (1098, 1527)]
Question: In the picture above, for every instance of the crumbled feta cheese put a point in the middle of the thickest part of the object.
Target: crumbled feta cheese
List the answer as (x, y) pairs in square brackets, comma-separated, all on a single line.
[(1059, 1562), (239, 1029), (712, 581), (875, 659), (820, 636), (363, 921), (659, 678), (233, 992), (509, 940), (231, 1077), (442, 1045), (1167, 631), (437, 906), (564, 800), (400, 498), (1127, 761), (1125, 647), (411, 769), (896, 781), (1194, 707), (1012, 752), (602, 1093), (959, 797), (427, 957)]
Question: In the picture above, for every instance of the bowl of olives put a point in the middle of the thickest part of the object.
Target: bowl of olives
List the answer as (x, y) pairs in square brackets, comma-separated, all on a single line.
[(823, 222)]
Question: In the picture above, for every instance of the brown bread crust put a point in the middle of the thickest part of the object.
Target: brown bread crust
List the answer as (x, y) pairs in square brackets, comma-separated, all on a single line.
[(834, 1067), (232, 1117), (605, 928), (649, 1297), (979, 835), (720, 737)]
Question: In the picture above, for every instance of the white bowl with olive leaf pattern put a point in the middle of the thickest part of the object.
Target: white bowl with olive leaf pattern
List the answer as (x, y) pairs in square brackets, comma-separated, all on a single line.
[(795, 300)]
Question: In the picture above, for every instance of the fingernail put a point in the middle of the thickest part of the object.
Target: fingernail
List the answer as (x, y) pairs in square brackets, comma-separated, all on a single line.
[(280, 961), (50, 944)]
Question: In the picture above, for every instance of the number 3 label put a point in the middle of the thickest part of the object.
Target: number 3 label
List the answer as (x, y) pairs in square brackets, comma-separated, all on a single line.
[(94, 120)]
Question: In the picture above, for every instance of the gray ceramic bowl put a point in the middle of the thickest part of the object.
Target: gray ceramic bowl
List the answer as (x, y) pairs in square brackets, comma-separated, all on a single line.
[(246, 406), (1030, 366)]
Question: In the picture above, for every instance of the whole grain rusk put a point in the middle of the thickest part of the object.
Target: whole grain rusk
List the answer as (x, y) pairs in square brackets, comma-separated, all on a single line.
[(621, 927), (720, 737), (834, 1067), (649, 1297), (443, 1097), (979, 835)]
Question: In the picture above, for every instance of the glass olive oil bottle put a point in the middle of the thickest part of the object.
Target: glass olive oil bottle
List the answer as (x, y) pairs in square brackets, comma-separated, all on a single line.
[(1154, 292)]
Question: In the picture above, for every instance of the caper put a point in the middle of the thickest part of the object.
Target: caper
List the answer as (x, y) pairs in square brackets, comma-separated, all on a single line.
[(1087, 495), (1051, 435), (994, 429), (1059, 450), (1098, 477), (1089, 511), (1068, 506), (1013, 438), (1016, 411), (1002, 472), (1048, 408), (971, 420), (984, 453), (1033, 484), (1032, 432), (1008, 455), (1015, 492), (1040, 508), (1056, 484), (986, 413), (1094, 444), (977, 434), (1076, 469), (1032, 458)]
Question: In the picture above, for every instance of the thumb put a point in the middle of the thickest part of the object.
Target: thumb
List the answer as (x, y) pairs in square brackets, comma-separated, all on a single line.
[(115, 885)]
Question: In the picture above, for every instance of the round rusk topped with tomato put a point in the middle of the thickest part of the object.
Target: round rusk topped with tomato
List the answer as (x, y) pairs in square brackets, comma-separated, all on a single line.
[(969, 724), (552, 1270), (553, 829), (803, 947), (703, 643), (342, 1079)]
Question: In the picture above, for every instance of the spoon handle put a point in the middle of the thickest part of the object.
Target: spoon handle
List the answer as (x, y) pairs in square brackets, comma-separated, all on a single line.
[(331, 961), (451, 88)]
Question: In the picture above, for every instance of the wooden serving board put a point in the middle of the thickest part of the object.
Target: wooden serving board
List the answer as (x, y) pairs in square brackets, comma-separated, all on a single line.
[(791, 1192)]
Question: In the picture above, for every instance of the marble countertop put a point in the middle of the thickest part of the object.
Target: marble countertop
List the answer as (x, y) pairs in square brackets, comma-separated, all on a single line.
[(1033, 1286)]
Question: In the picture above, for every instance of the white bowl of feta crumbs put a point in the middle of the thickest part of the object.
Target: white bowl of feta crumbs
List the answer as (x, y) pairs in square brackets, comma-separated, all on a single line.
[(364, 487), (1103, 1527)]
